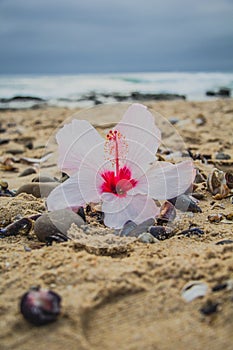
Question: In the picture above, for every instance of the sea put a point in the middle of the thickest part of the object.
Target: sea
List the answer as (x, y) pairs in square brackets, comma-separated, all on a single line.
[(27, 91)]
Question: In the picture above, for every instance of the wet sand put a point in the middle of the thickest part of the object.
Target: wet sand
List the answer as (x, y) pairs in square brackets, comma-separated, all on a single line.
[(130, 299)]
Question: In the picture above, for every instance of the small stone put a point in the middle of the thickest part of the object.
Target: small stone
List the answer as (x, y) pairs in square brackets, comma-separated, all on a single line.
[(224, 241), (127, 228), (215, 218), (141, 228), (27, 172), (161, 232), (209, 308), (173, 120), (37, 189), (42, 178), (56, 222), (40, 306), (146, 237), (222, 156)]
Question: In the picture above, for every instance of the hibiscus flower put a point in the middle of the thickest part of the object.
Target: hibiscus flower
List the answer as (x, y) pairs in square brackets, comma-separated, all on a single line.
[(121, 171)]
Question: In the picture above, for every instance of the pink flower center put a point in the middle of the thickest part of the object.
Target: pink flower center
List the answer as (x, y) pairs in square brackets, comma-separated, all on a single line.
[(118, 184), (120, 181)]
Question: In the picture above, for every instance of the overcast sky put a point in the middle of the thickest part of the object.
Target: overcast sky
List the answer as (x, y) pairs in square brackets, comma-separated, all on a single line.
[(81, 36)]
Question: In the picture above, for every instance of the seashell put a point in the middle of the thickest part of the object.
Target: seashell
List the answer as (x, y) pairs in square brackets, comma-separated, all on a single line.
[(193, 290), (36, 160), (216, 184), (146, 237), (229, 179), (215, 217), (167, 213), (40, 306), (22, 226)]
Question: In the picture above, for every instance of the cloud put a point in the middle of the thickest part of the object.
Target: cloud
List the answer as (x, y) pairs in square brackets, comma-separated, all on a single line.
[(71, 36)]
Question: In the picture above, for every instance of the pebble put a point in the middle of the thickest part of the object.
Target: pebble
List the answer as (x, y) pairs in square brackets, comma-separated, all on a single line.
[(58, 221), (209, 308), (161, 232), (222, 156), (224, 241), (40, 306), (37, 189), (185, 203), (146, 237), (141, 228), (42, 178), (127, 228), (27, 172)]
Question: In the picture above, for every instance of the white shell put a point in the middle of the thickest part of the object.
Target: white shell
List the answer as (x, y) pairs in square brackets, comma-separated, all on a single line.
[(193, 290)]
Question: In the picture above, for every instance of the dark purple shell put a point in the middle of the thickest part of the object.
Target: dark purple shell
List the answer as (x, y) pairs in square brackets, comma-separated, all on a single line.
[(40, 306)]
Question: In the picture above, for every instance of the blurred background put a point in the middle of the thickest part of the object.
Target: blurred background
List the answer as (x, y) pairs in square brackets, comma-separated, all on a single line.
[(106, 38)]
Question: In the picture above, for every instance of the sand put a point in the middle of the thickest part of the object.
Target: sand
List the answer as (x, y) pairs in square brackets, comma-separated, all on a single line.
[(128, 298)]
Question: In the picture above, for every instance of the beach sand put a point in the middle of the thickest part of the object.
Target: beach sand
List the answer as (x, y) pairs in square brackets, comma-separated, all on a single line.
[(131, 298)]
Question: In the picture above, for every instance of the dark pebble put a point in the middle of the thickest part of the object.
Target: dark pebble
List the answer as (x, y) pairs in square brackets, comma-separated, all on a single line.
[(185, 203), (42, 178), (160, 232), (224, 241), (40, 306), (219, 287), (4, 141), (14, 152), (209, 308), (141, 228), (127, 228), (27, 172), (37, 189), (58, 221), (222, 156)]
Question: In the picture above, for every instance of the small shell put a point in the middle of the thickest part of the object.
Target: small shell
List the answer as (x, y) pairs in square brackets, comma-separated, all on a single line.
[(216, 184), (167, 213), (215, 217), (146, 237), (193, 290), (229, 179), (22, 226)]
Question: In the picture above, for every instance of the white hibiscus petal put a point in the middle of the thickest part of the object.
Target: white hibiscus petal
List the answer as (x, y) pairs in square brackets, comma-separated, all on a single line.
[(66, 195), (118, 210), (75, 140), (168, 180), (141, 134)]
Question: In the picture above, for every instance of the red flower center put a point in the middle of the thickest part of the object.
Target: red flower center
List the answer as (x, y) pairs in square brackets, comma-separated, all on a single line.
[(118, 184)]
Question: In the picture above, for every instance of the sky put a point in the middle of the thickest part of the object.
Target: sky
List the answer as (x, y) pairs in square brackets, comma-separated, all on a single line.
[(101, 36)]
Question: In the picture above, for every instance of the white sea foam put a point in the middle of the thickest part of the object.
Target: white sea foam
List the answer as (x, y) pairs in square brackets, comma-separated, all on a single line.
[(70, 88)]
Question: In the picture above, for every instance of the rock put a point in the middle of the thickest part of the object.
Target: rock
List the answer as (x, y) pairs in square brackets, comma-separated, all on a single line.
[(27, 172), (127, 228), (141, 228), (42, 178), (146, 237), (38, 189), (222, 156), (222, 92), (161, 232), (173, 120), (58, 221)]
